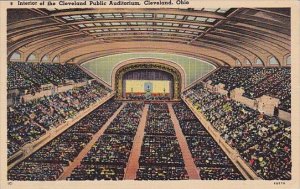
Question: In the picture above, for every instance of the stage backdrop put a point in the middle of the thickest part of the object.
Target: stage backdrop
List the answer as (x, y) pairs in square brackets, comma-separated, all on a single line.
[(154, 86), (157, 82)]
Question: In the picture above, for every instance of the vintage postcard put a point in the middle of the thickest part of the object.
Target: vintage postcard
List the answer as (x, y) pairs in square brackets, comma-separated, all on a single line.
[(150, 93)]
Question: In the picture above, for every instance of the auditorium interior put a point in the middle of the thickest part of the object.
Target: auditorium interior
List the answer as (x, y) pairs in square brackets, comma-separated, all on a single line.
[(149, 94)]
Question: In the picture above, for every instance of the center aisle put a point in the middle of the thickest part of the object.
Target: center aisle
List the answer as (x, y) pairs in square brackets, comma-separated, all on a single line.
[(186, 154), (67, 171), (133, 162)]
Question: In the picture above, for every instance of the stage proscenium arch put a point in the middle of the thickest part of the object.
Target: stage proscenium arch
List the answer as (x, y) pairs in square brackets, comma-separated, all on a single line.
[(147, 79)]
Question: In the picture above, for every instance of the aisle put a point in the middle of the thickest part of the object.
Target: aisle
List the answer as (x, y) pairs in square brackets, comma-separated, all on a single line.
[(68, 170), (186, 154), (133, 162)]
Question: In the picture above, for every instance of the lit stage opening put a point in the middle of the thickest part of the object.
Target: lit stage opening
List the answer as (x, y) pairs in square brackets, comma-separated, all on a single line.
[(148, 87)]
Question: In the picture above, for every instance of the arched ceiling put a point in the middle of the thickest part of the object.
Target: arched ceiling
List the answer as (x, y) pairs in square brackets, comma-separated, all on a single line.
[(220, 35)]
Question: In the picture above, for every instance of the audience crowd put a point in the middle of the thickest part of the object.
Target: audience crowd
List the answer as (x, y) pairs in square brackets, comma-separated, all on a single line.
[(31, 171), (67, 72), (121, 125), (161, 173), (109, 155), (20, 130), (16, 80), (28, 121), (159, 121), (208, 156), (274, 82), (47, 73), (161, 157), (33, 75), (26, 70), (263, 141), (98, 172), (161, 150), (48, 162), (110, 150)]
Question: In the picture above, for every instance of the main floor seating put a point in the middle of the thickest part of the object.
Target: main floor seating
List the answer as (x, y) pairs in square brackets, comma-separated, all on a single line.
[(108, 158), (48, 162), (161, 157), (208, 156), (262, 141)]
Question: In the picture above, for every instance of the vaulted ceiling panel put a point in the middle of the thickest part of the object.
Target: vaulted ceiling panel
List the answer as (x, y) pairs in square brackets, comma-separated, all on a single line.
[(239, 33)]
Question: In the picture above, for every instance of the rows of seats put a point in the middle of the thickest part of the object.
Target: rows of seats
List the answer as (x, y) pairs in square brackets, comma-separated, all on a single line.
[(26, 75), (109, 156), (161, 157), (26, 71), (263, 141), (20, 130), (73, 72), (271, 157), (159, 121), (212, 162), (161, 150), (29, 121), (61, 150), (48, 162), (280, 79), (235, 77), (66, 71), (110, 150), (207, 153), (47, 73), (31, 171), (161, 173), (121, 125), (16, 80), (98, 172), (274, 82), (161, 154), (94, 121), (68, 103)]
